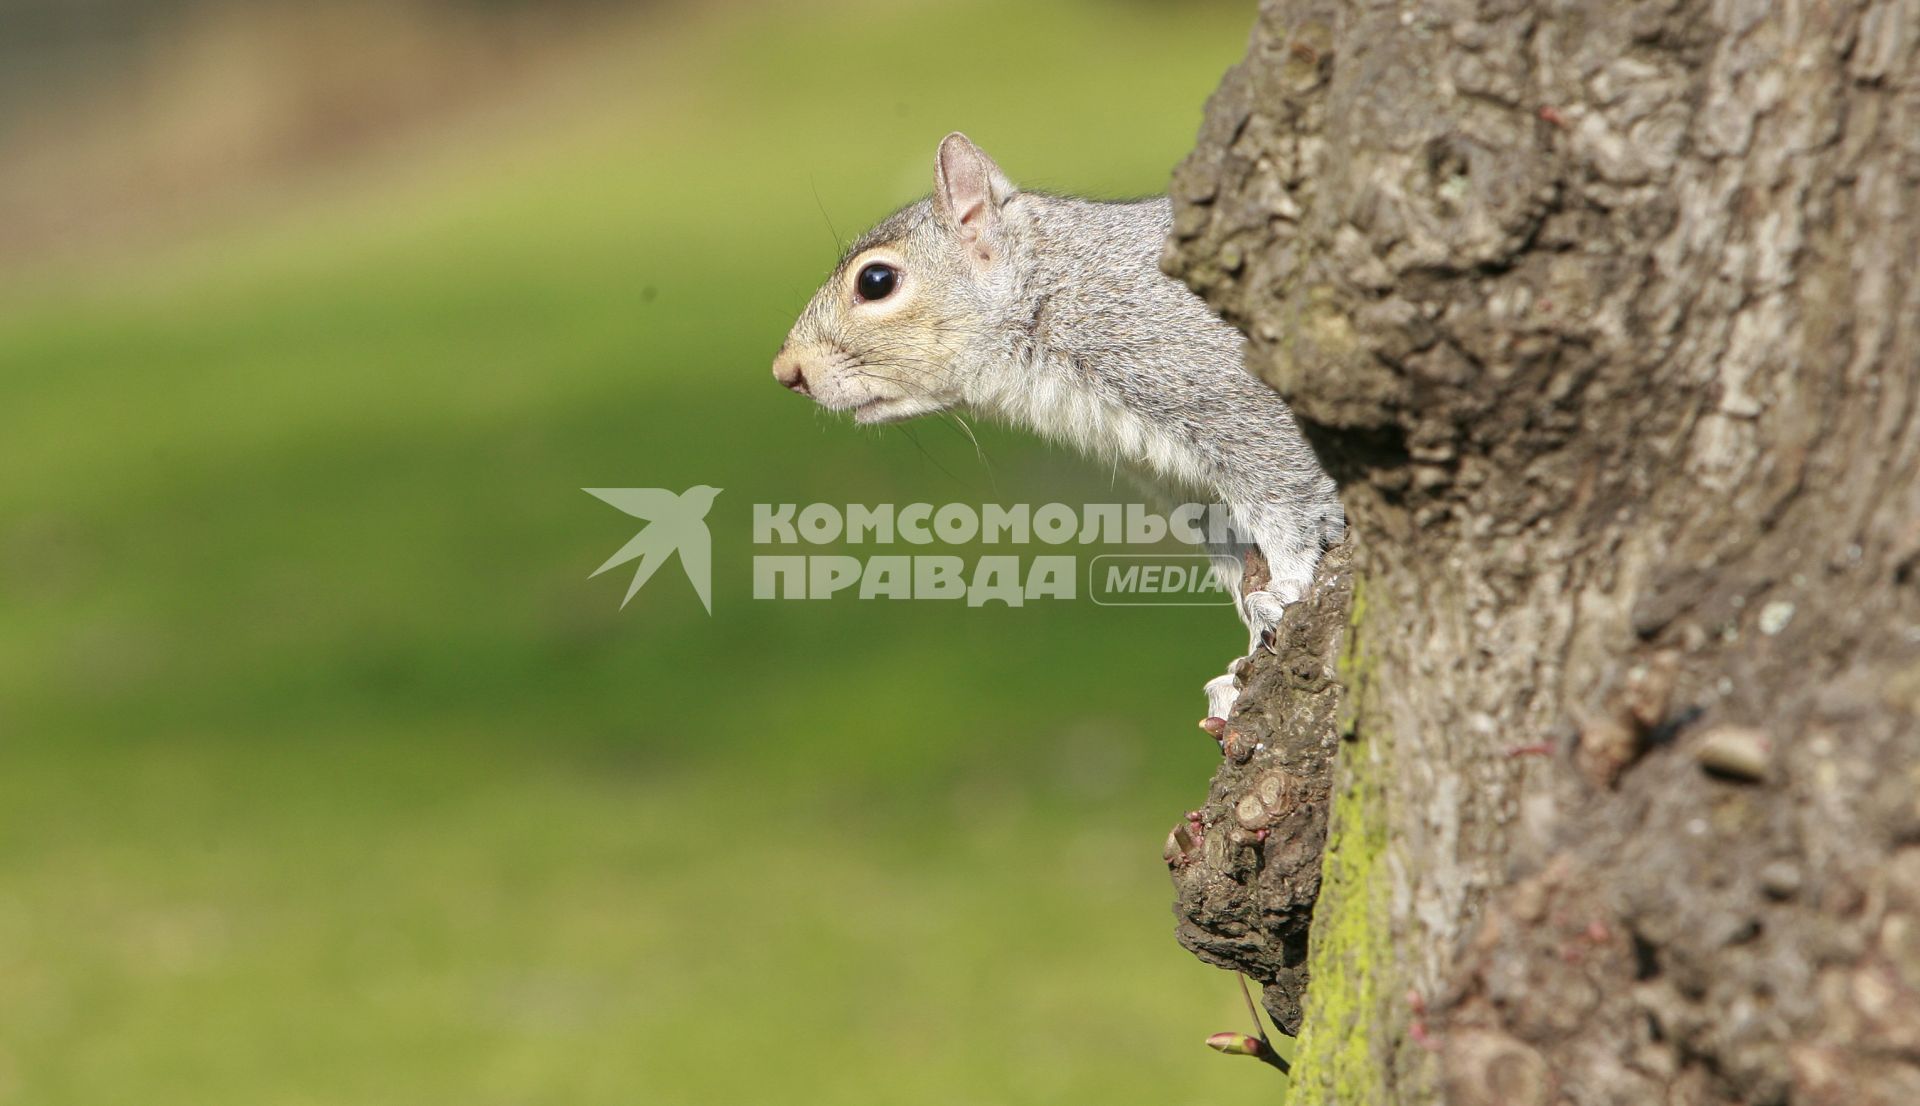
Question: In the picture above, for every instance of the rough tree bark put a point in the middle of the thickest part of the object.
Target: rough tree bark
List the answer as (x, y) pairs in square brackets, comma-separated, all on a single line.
[(1606, 316)]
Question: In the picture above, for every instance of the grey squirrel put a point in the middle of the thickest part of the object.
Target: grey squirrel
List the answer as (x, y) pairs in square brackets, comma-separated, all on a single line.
[(1052, 313)]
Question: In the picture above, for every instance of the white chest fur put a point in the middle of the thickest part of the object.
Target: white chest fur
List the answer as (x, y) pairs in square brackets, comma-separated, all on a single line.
[(1068, 412)]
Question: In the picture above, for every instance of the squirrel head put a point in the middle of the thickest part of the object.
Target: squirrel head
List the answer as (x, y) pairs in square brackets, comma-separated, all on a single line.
[(885, 337)]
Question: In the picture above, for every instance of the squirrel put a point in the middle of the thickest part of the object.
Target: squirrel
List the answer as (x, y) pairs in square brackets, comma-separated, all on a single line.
[(1051, 312)]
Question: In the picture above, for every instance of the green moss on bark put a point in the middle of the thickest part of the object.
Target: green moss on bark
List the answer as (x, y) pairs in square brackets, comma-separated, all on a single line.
[(1338, 1060)]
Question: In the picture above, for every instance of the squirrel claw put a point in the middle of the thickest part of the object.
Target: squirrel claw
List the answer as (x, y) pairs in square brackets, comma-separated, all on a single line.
[(1263, 619), (1263, 608)]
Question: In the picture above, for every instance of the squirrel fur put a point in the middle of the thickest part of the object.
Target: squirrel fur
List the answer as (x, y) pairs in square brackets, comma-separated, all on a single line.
[(1051, 312)]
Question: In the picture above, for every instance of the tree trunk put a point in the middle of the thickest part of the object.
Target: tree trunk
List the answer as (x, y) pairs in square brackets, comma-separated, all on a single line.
[(1606, 317)]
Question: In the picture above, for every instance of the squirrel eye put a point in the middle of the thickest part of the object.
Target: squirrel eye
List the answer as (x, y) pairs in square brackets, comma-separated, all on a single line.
[(876, 281)]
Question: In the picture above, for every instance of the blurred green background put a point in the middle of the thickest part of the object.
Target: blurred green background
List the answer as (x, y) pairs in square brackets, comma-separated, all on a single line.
[(327, 775)]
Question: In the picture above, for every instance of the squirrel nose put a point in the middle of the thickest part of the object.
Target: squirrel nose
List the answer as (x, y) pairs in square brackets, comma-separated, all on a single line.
[(787, 371)]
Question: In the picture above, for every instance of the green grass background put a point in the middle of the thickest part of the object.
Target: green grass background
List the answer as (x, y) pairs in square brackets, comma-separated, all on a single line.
[(328, 776)]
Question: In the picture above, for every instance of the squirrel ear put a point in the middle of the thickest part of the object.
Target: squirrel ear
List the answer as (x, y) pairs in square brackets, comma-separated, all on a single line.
[(968, 188)]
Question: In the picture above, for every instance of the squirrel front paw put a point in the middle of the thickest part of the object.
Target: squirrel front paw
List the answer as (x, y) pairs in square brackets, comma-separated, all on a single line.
[(1221, 691), (1264, 607)]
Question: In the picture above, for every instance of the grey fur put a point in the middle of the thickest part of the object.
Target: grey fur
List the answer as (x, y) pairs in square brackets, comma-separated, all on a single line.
[(1052, 312)]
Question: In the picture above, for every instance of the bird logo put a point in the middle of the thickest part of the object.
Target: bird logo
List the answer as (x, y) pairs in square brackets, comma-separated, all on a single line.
[(674, 523)]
